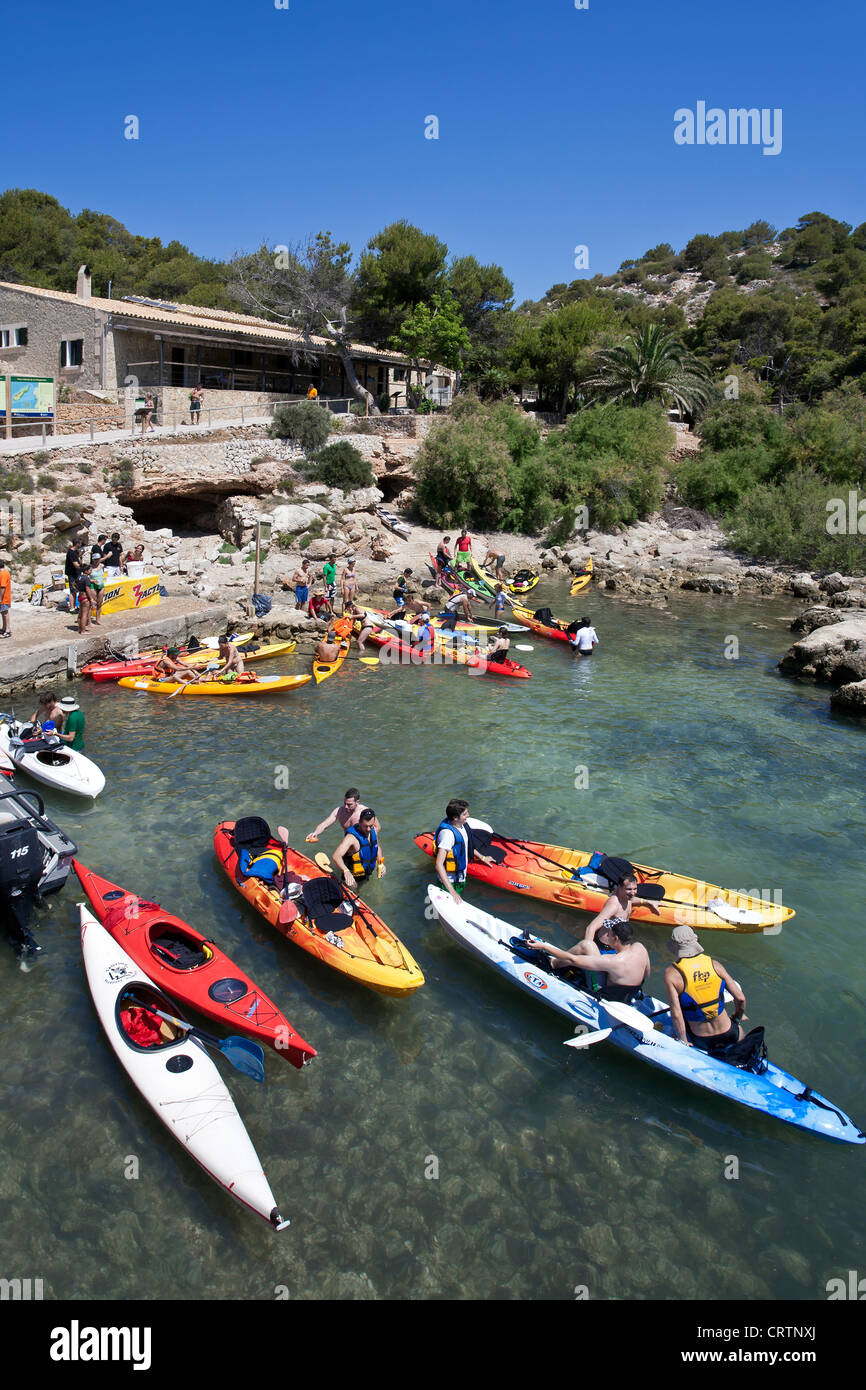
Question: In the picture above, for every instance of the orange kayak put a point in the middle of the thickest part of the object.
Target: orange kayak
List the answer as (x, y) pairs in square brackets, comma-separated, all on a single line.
[(346, 934)]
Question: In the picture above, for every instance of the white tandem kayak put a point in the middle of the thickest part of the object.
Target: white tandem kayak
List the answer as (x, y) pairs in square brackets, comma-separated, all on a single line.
[(48, 760), (644, 1029), (176, 1076)]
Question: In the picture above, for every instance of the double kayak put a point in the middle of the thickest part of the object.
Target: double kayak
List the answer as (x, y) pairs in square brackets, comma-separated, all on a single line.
[(462, 631), (196, 661), (190, 967), (394, 523), (323, 669), (48, 760), (174, 1074), (247, 684), (544, 626), (522, 582), (648, 1033), (445, 654), (576, 878), (325, 919)]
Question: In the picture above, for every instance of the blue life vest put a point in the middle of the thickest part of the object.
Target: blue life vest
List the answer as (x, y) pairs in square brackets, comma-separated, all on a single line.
[(366, 856), (263, 864), (456, 859)]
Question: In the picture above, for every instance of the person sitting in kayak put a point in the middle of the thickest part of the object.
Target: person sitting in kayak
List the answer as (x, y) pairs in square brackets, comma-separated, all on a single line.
[(361, 844), (346, 815), (583, 637), (169, 668), (455, 848), (230, 659), (498, 649), (624, 962), (328, 649), (696, 992)]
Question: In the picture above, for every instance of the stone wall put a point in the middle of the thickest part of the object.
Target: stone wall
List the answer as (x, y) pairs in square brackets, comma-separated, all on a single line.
[(47, 321)]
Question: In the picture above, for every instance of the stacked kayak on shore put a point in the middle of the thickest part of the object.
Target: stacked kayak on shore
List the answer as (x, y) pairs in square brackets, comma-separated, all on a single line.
[(644, 1029), (115, 670), (576, 878), (325, 919), (173, 1072)]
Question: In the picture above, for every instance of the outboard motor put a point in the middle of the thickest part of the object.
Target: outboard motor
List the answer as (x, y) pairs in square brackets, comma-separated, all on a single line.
[(20, 872)]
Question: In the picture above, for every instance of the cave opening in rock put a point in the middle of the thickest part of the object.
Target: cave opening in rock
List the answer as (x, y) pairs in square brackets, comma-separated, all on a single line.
[(392, 487), (196, 515)]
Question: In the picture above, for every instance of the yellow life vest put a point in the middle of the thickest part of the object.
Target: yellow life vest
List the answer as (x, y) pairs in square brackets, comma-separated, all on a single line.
[(704, 994)]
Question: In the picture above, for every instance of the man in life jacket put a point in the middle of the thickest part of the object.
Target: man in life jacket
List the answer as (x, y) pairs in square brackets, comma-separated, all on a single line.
[(455, 848), (696, 992), (361, 845)]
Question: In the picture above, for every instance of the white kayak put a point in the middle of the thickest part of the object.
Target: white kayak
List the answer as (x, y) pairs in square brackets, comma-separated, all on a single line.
[(48, 760), (643, 1028), (176, 1076)]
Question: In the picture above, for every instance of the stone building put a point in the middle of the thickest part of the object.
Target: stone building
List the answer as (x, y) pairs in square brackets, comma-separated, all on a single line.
[(123, 347)]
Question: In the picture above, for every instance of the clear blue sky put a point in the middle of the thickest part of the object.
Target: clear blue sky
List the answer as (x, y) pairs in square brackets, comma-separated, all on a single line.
[(556, 125)]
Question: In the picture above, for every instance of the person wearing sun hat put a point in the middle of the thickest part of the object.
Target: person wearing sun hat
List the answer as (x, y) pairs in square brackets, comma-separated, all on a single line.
[(73, 724), (696, 985)]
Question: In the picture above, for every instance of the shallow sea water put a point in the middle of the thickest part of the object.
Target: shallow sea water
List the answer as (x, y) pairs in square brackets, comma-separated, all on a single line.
[(556, 1168)]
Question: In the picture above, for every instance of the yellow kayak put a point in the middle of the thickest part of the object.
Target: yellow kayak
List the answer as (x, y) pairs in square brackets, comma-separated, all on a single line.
[(323, 669), (583, 577), (200, 659), (247, 684)]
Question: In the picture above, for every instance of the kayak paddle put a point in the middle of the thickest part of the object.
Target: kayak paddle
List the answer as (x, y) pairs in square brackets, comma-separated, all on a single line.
[(245, 1055)]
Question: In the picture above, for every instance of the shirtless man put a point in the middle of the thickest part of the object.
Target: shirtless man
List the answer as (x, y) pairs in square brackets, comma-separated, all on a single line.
[(328, 649), (231, 660), (498, 649), (625, 970), (347, 815), (696, 993), (457, 603), (48, 708)]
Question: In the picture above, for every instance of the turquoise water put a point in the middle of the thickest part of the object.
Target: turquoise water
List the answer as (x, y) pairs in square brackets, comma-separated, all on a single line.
[(556, 1169)]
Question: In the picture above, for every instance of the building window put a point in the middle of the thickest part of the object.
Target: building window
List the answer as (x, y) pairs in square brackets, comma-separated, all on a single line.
[(13, 336), (71, 352), (399, 373)]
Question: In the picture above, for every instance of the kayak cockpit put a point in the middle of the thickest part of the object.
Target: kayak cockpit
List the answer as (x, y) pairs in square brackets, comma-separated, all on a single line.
[(140, 1027), (176, 948)]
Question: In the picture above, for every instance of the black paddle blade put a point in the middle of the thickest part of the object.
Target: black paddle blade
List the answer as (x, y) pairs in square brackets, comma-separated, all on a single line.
[(653, 892)]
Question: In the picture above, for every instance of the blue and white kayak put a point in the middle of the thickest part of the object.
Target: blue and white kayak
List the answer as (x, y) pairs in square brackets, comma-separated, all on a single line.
[(644, 1029)]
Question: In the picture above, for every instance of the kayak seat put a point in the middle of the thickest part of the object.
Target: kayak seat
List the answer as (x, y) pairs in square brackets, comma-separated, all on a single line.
[(749, 1054), (176, 949), (251, 832), (323, 899)]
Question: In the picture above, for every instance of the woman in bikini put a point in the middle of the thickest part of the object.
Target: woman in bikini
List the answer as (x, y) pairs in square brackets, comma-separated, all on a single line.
[(349, 583)]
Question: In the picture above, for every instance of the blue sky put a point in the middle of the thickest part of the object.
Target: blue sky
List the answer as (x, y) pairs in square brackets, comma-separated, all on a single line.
[(555, 124)]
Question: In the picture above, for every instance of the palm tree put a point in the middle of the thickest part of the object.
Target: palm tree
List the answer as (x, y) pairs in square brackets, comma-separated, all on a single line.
[(653, 366)]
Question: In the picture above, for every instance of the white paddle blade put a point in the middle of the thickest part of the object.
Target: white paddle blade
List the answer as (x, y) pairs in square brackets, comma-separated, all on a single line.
[(479, 824), (588, 1039), (632, 1018), (740, 915), (522, 647)]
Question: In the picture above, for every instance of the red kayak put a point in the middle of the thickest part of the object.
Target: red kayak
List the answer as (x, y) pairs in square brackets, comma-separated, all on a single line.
[(189, 967), (114, 670), (447, 656)]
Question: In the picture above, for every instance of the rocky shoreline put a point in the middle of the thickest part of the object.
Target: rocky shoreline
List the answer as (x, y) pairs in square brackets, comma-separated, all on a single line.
[(221, 488)]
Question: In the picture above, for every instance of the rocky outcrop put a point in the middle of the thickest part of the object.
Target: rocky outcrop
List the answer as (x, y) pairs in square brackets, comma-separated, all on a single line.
[(850, 698), (834, 654)]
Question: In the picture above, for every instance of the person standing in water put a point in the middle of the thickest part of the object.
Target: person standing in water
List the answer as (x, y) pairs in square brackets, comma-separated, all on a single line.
[(347, 815)]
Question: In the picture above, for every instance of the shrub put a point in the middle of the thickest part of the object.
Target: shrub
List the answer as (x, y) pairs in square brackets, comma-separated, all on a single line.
[(41, 458), (305, 424), (228, 549), (47, 482), (15, 479), (730, 424), (85, 467), (787, 523), (463, 471), (284, 539), (341, 465), (715, 482)]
